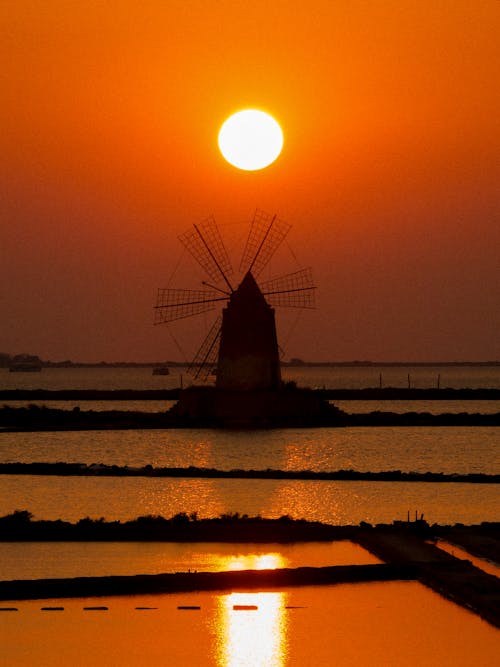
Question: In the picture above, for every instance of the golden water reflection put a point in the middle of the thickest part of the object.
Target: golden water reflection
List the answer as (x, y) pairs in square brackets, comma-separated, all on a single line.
[(252, 626), (266, 561), (252, 629), (391, 623)]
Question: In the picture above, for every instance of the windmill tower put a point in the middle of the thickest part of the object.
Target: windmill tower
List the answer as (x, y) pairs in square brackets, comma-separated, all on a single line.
[(242, 344)]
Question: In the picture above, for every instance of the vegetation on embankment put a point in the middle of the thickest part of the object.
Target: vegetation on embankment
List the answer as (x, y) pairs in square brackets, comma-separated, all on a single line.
[(20, 526), (64, 469), (40, 417)]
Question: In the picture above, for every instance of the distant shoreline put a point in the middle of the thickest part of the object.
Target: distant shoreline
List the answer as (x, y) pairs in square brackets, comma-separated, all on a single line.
[(298, 363)]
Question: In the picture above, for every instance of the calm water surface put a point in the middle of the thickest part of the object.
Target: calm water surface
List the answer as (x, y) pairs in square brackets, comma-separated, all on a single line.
[(390, 624), (45, 560), (345, 377)]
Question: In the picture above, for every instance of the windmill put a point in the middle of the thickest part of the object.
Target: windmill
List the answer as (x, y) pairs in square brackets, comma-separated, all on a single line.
[(242, 343)]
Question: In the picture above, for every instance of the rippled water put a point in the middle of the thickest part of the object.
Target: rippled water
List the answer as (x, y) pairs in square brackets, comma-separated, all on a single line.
[(437, 449), (342, 503)]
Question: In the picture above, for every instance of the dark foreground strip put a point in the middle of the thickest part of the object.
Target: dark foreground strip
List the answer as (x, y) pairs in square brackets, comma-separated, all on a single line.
[(102, 470), (201, 581), (146, 608), (456, 580), (188, 607), (453, 578)]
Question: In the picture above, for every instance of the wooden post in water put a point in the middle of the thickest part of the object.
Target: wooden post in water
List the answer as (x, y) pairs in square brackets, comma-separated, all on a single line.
[(409, 381), (439, 380)]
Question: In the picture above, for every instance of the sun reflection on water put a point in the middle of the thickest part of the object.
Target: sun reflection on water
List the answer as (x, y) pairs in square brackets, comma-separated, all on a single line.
[(252, 626), (269, 561), (252, 629)]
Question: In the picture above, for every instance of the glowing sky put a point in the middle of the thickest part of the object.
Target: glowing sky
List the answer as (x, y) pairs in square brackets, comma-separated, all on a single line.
[(390, 173)]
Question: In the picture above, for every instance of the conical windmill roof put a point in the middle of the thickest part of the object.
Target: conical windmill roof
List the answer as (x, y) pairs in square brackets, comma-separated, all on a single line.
[(248, 293)]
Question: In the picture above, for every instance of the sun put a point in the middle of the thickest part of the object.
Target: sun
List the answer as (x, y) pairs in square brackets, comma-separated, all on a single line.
[(250, 139)]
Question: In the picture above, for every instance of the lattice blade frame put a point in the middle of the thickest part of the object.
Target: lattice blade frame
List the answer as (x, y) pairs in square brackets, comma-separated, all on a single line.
[(266, 235), (205, 245), (206, 357), (176, 304), (293, 290)]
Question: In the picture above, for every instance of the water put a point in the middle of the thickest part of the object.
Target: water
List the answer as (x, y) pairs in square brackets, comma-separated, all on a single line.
[(287, 636), (331, 377), (345, 625), (450, 449), (92, 378), (46, 560), (484, 564), (421, 377), (341, 503), (422, 449)]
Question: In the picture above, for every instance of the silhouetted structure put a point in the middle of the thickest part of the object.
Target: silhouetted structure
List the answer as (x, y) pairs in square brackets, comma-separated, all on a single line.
[(248, 352), (242, 345)]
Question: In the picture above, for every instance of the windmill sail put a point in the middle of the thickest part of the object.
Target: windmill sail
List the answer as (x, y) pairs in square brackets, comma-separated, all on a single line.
[(176, 304), (266, 235), (294, 290), (206, 358), (205, 244)]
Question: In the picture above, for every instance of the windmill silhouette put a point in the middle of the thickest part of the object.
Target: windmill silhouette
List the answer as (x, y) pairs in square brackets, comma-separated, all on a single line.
[(242, 343)]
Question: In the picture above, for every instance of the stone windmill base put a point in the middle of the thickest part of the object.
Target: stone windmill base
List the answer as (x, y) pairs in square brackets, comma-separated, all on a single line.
[(255, 408)]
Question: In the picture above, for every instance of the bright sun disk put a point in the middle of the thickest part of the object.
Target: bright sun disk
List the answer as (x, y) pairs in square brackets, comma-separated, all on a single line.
[(250, 139)]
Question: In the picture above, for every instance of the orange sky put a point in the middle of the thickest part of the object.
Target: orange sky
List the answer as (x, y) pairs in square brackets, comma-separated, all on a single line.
[(390, 172)]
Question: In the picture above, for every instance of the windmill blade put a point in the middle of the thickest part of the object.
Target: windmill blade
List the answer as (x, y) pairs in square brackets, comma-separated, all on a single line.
[(266, 234), (294, 290), (205, 244), (175, 304), (206, 357)]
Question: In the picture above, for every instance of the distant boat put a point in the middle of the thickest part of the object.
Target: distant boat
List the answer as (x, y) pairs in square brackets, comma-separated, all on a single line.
[(25, 367), (161, 370)]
